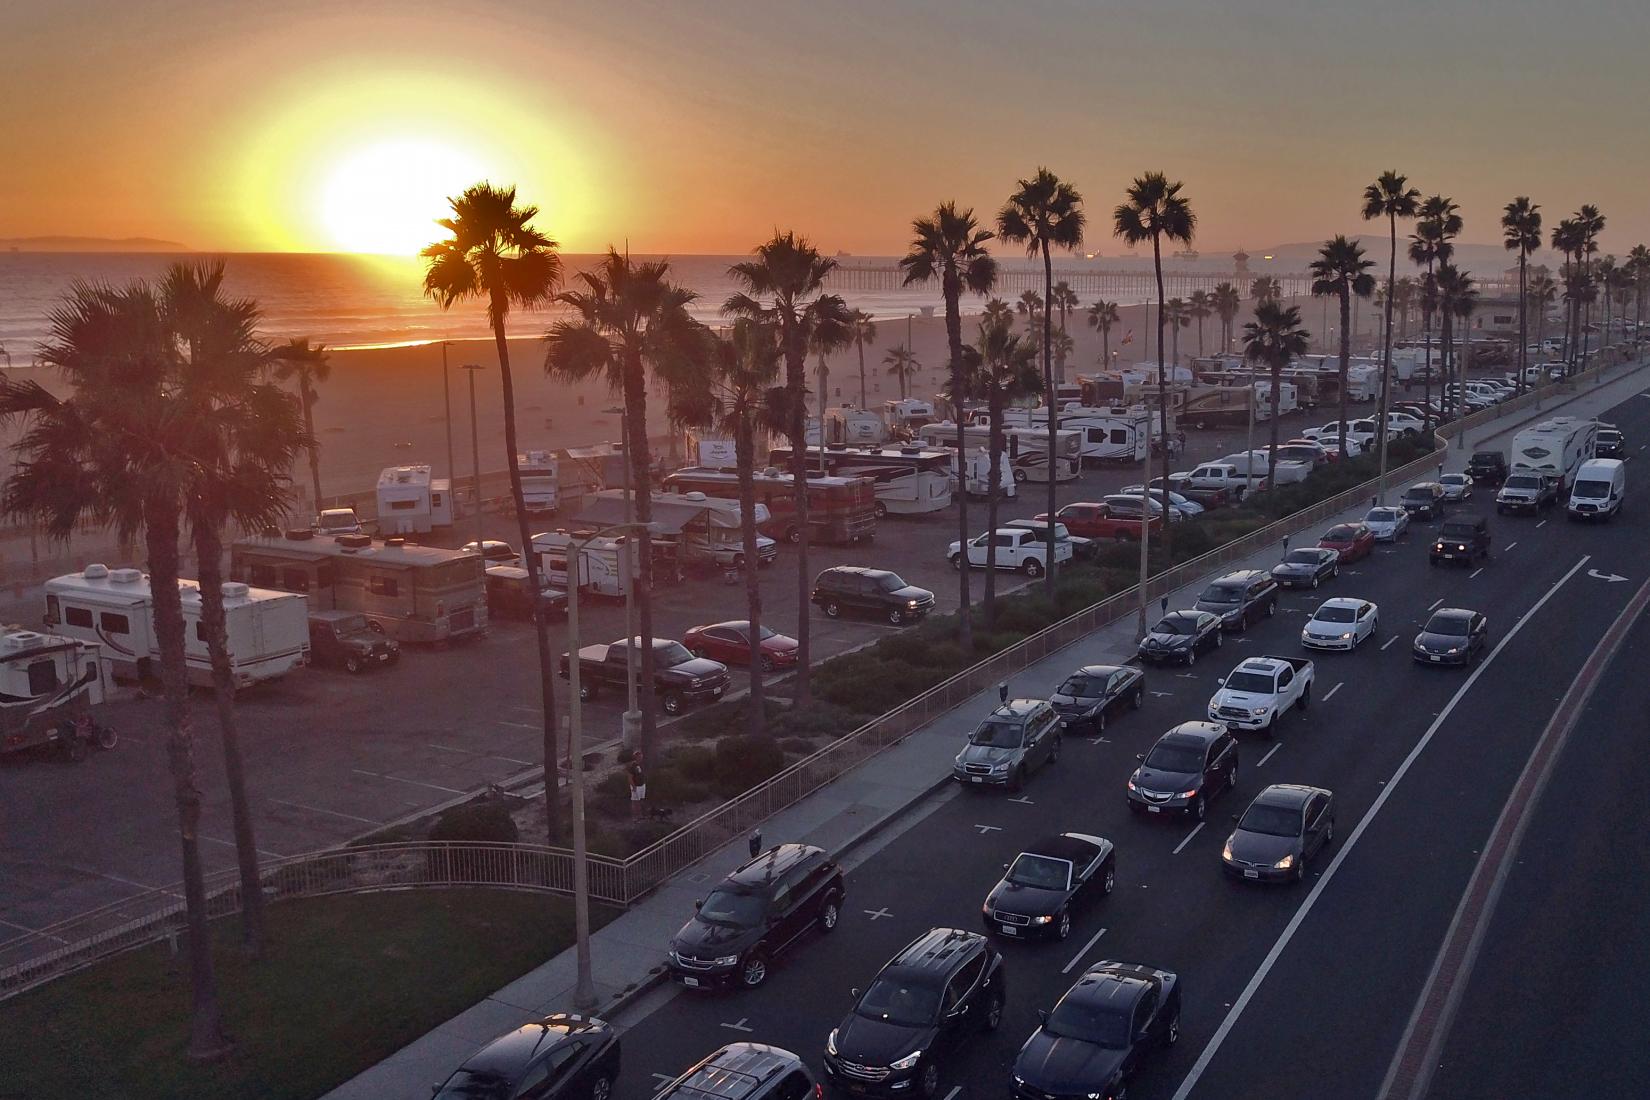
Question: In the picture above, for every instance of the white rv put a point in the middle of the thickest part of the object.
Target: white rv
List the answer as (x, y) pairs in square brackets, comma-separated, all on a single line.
[(907, 414), (411, 502), (1103, 434), (1288, 400), (268, 631), (846, 424), (540, 482), (1555, 448), (45, 679), (601, 562)]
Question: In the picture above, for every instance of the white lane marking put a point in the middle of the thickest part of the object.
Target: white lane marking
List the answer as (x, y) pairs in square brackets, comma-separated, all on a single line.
[(329, 813), (740, 1026), (1084, 950), (1388, 642), (1269, 754), (1475, 572), (1226, 1025), (1331, 692), (1022, 800), (1189, 837), (231, 844), (413, 782), (58, 939), (1509, 546), (952, 1095), (472, 752), (878, 914), (984, 829), (1433, 606), (1540, 525), (522, 726)]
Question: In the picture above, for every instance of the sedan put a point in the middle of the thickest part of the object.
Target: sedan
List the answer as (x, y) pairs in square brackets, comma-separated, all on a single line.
[(1350, 540), (1094, 691), (1306, 567), (560, 1056), (1046, 882), (1304, 451), (1277, 836), (1324, 453), (1340, 623), (1388, 524), (730, 643), (1099, 1033), (1457, 487), (1187, 767), (1181, 636), (1453, 636), (1184, 506)]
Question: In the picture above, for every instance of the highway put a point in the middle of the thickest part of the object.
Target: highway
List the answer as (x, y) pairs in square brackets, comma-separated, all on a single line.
[(1300, 991)]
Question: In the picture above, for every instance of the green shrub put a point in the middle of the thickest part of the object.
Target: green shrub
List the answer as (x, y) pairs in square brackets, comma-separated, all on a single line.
[(819, 719), (742, 762), (670, 787), (480, 822), (696, 763), (615, 785)]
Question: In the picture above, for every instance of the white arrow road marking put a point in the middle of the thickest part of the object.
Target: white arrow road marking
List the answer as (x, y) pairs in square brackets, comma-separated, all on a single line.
[(1084, 950), (1023, 800), (878, 914), (1164, 694), (1610, 577), (740, 1026)]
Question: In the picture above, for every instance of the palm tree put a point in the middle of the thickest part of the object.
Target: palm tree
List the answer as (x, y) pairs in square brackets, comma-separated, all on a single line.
[(1389, 197), (949, 245), (297, 358), (1274, 338), (1591, 224), (119, 450), (493, 253), (1200, 309), (628, 317), (1521, 233), (1638, 260), (1064, 299), (1155, 209), (1606, 274), (902, 365), (1340, 271), (1005, 371), (1569, 240), (1177, 315), (824, 341), (1456, 298), (785, 288), (1225, 301), (1265, 289), (1102, 316), (1541, 293), (864, 331), (1030, 307), (997, 312)]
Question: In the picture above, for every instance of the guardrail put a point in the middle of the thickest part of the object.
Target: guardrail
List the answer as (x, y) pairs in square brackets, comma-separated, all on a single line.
[(158, 914)]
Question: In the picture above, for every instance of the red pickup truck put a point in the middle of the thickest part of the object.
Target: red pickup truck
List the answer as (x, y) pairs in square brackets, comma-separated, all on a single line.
[(1102, 521)]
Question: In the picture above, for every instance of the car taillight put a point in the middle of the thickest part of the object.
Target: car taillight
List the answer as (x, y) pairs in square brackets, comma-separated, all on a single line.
[(819, 1091)]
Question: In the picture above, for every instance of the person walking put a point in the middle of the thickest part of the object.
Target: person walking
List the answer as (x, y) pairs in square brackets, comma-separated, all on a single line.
[(638, 783)]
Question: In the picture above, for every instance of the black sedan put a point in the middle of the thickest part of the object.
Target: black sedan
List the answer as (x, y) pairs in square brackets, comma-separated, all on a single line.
[(1092, 693), (1181, 636), (1277, 836), (1187, 767), (559, 1056), (1453, 636), (1307, 567), (1099, 1033), (1046, 882)]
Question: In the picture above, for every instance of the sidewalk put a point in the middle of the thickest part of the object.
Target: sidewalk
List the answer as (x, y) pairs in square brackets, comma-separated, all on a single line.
[(628, 953)]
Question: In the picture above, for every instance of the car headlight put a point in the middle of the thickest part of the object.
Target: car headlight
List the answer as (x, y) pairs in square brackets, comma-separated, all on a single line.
[(1226, 851), (1188, 794), (998, 768), (1260, 712), (830, 1042), (728, 960), (1042, 920), (1456, 648), (908, 1062), (1347, 637), (1285, 863), (1132, 786), (911, 603)]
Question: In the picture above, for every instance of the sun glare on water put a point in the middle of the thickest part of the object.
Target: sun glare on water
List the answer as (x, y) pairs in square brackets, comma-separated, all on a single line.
[(384, 198)]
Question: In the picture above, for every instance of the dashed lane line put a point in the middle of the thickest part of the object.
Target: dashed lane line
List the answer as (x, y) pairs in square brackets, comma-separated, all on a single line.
[(1433, 606), (1331, 692), (1084, 950), (1269, 754), (1475, 572), (1388, 642), (1189, 836)]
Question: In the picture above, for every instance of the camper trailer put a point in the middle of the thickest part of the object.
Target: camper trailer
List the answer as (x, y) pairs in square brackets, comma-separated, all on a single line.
[(857, 427), (1555, 449), (687, 527), (601, 562), (411, 502), (906, 415), (268, 632), (46, 680), (540, 482)]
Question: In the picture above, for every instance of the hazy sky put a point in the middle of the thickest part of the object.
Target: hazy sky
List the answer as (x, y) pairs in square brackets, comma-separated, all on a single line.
[(699, 127)]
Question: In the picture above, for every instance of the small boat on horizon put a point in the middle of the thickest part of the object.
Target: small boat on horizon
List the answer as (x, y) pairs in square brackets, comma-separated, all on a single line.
[(1187, 254)]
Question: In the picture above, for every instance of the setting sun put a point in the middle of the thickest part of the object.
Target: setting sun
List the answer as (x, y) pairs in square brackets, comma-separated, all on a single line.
[(385, 198)]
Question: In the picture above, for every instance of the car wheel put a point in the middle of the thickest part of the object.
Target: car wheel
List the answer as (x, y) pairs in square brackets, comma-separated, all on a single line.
[(1062, 928), (956, 562), (1098, 722), (1300, 870), (1243, 623), (601, 1088), (1306, 697), (1020, 476), (832, 609), (895, 616), (1191, 657), (793, 535), (1109, 883), (672, 702), (1018, 782), (880, 510), (1139, 699), (739, 561), (1329, 834), (1033, 567), (754, 970), (1272, 608), (1334, 570), (1232, 778), (1199, 808), (1220, 639), (928, 1082), (830, 915), (994, 1011), (587, 690), (352, 664), (766, 664)]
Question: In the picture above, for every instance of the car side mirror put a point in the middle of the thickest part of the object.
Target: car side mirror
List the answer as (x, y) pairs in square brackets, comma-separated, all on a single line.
[(1234, 819), (1042, 1015), (854, 992), (1140, 756), (1221, 682), (697, 904)]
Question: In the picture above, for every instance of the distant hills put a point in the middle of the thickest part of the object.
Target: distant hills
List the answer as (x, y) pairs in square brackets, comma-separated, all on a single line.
[(90, 244)]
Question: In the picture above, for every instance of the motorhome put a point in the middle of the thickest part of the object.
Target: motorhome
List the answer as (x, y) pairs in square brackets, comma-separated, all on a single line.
[(411, 502), (415, 593), (687, 527), (268, 631), (905, 415), (847, 424), (1218, 406), (1103, 434), (840, 509), (909, 480), (46, 679), (602, 561), (540, 482), (1026, 449), (1555, 448)]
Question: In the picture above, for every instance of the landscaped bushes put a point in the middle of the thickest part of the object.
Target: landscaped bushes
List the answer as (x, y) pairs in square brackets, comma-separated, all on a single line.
[(477, 822)]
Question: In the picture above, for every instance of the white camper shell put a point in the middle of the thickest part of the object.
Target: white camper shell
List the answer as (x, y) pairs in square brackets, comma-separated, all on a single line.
[(411, 502), (1600, 485)]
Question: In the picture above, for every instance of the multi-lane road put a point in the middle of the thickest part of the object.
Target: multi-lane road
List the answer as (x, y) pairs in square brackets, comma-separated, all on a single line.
[(1302, 991)]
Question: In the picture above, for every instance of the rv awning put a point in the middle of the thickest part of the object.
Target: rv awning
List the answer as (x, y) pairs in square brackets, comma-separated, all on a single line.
[(669, 518)]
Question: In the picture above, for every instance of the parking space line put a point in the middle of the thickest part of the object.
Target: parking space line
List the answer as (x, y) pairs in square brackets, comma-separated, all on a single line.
[(1269, 754), (30, 931), (520, 725), (1509, 546), (1084, 950), (1189, 837), (414, 782), (1475, 572), (1330, 693), (1388, 642), (487, 755), (1540, 525), (329, 813), (231, 844), (1433, 606)]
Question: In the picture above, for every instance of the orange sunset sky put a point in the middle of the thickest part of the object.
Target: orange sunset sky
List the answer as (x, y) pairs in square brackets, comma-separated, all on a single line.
[(699, 127)]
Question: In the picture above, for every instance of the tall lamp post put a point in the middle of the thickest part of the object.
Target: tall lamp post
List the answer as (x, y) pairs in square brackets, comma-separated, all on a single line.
[(447, 403), (584, 988), (475, 448)]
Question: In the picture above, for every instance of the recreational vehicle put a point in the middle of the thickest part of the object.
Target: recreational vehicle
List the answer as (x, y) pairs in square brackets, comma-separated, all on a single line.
[(601, 562), (268, 632), (909, 480), (1026, 449), (906, 414), (45, 681), (1111, 434), (1218, 406), (840, 509), (411, 502), (857, 427), (540, 482), (687, 527), (415, 593), (1555, 448)]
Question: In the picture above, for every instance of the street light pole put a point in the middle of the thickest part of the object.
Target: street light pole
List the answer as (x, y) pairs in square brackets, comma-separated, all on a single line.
[(447, 402), (475, 447), (1146, 525), (631, 723)]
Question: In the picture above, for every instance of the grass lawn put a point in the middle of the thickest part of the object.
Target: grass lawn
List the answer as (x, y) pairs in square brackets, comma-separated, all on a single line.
[(347, 981)]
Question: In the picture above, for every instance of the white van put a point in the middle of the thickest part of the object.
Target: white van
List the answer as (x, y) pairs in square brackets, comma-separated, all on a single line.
[(1599, 486)]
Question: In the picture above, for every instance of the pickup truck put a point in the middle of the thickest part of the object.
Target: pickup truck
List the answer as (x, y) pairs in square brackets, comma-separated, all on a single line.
[(679, 678), (1226, 476), (1260, 691), (1096, 520), (1526, 491), (1181, 482), (1017, 549)]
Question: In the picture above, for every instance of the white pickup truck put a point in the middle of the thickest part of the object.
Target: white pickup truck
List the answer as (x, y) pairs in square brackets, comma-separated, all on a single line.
[(1018, 549), (1227, 476), (1260, 691)]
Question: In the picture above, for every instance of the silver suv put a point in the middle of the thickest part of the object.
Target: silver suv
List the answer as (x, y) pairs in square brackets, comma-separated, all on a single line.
[(744, 1071), (1016, 738)]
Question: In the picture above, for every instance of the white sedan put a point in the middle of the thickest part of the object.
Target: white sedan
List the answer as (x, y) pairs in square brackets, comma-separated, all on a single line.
[(1389, 524), (1340, 623), (1457, 487)]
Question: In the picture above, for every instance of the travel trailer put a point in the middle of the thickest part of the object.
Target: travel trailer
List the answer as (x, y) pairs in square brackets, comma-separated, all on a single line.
[(601, 562), (840, 509), (46, 680), (1555, 448), (905, 415), (411, 502), (846, 424), (268, 632), (540, 482)]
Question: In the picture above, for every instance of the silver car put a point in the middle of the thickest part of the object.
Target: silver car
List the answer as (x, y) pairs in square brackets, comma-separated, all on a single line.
[(1389, 524), (1457, 487)]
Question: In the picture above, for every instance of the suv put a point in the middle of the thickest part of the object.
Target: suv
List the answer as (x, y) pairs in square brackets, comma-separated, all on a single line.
[(1424, 500), (509, 594), (1017, 737), (1240, 597), (878, 592), (350, 641), (754, 914), (1463, 538), (744, 1071), (944, 986)]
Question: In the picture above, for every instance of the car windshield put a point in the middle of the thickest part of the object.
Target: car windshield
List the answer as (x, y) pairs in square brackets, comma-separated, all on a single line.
[(1457, 531), (1451, 626), (1080, 686), (1100, 1024), (1454, 479), (997, 733), (475, 1085), (671, 654), (1043, 872), (1340, 533), (1173, 625), (729, 907), (1485, 460), (1259, 683), (1523, 481), (1302, 557), (1271, 820), (1175, 758), (342, 519), (1222, 593), (1592, 489), (1418, 494), (1336, 615), (893, 582), (904, 1005), (1382, 515)]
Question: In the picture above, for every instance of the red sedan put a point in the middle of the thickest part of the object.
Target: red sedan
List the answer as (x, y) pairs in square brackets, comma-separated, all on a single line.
[(1351, 540), (730, 643)]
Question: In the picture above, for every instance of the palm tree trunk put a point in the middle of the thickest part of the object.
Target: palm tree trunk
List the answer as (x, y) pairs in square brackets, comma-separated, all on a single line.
[(796, 384), (1386, 359), (1346, 356), (1163, 409), (744, 449), (209, 563), (541, 635), (953, 335), (1426, 377), (1200, 337), (1446, 340), (1105, 348), (641, 475), (314, 447), (1053, 404), (206, 1037), (860, 340)]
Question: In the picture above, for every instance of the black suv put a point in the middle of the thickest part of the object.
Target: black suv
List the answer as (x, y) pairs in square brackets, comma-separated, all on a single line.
[(945, 985), (1487, 467), (1461, 538), (756, 913), (1424, 500), (1610, 443), (349, 640), (1240, 598), (560, 1056), (875, 592), (743, 1071)]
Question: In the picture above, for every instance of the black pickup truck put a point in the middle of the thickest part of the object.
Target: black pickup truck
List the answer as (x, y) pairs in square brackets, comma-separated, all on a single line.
[(679, 678)]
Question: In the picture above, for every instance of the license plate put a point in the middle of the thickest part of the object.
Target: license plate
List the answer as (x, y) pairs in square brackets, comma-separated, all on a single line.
[(1251, 874), (1435, 658), (1154, 809), (1010, 930), (717, 693), (383, 656), (692, 983), (976, 779)]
